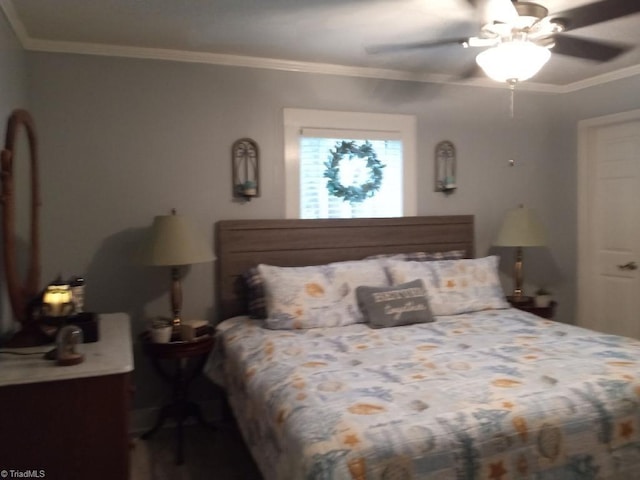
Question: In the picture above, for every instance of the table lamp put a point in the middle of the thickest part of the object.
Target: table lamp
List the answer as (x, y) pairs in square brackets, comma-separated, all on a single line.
[(57, 300), (173, 241), (520, 228)]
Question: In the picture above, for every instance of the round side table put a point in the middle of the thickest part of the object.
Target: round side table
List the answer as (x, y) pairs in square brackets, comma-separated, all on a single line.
[(188, 359)]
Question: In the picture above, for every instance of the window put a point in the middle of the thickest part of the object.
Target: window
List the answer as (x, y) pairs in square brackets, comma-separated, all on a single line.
[(315, 199), (311, 135)]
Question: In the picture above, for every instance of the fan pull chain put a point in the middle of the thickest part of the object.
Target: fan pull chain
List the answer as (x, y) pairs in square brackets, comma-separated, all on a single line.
[(512, 88), (511, 107)]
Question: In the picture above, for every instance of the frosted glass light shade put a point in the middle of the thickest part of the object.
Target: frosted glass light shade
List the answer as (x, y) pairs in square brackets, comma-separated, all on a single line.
[(516, 60), (173, 240)]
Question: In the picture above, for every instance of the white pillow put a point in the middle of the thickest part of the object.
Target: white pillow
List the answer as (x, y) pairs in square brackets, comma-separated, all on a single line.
[(454, 286), (318, 296)]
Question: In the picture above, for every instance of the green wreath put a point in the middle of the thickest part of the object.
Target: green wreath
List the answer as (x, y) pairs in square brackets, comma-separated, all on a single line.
[(353, 193)]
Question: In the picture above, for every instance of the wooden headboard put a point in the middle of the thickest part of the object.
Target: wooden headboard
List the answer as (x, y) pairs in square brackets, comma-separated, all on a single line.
[(241, 244)]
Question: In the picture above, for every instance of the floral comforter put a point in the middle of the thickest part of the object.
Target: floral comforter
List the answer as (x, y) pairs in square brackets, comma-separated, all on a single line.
[(495, 395)]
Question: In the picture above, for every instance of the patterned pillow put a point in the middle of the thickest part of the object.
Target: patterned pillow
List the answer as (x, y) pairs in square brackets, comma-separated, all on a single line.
[(454, 286), (317, 296), (421, 256), (254, 293), (394, 306), (254, 286)]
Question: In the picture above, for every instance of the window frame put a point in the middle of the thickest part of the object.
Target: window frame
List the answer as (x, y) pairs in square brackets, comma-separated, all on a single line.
[(402, 126)]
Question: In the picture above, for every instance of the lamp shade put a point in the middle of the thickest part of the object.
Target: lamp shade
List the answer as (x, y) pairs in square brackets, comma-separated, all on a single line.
[(521, 228), (515, 60), (173, 240), (57, 300)]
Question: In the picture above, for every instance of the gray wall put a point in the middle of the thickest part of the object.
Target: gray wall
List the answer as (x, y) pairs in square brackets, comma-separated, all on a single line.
[(13, 78), (13, 94), (126, 139), (613, 97)]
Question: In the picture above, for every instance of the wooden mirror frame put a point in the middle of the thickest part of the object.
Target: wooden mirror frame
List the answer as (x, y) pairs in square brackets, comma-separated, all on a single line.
[(21, 294)]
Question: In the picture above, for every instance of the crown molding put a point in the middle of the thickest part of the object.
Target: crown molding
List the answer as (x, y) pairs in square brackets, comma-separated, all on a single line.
[(50, 46), (601, 79), (215, 59), (41, 45)]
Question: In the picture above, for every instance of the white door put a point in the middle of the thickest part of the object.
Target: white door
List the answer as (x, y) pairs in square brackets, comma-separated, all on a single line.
[(609, 277)]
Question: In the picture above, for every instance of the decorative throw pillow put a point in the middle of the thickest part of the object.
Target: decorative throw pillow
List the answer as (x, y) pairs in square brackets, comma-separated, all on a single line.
[(254, 293), (254, 286), (317, 296), (421, 256), (394, 306), (454, 286)]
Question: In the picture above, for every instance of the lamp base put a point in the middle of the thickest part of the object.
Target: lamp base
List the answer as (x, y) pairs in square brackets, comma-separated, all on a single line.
[(176, 297), (86, 321)]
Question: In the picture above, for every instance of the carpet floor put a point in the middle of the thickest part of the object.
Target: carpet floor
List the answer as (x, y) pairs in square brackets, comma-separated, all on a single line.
[(209, 455)]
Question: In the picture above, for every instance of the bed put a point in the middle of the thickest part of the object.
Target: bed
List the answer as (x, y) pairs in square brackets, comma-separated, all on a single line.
[(487, 393)]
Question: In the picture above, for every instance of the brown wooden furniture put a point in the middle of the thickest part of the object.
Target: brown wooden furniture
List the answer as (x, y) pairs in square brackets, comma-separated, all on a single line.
[(69, 422), (241, 244), (21, 292), (529, 306), (188, 359)]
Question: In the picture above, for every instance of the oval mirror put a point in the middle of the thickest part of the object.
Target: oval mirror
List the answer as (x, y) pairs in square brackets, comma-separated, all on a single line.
[(22, 288)]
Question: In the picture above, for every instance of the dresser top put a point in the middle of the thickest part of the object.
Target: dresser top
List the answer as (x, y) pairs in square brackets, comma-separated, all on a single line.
[(112, 354)]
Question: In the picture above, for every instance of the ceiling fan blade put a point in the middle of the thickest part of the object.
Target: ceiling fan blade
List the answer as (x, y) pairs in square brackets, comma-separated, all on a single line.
[(598, 12), (501, 11), (472, 71), (589, 49), (374, 49)]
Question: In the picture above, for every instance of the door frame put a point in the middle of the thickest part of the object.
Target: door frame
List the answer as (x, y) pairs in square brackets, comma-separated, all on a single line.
[(586, 187)]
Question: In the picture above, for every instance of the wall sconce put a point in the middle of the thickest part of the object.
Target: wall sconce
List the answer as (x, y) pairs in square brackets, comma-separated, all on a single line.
[(245, 160), (445, 167)]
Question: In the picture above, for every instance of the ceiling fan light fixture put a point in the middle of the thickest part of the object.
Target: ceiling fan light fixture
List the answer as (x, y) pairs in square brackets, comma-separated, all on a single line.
[(557, 26), (513, 61)]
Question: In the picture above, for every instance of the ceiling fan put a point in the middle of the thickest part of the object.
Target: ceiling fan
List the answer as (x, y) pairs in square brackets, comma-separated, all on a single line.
[(518, 36)]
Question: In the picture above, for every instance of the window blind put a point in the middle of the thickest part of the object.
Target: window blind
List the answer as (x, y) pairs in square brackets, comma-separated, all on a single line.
[(315, 200)]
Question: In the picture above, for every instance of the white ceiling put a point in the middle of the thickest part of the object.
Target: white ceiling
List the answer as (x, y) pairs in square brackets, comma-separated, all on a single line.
[(306, 35)]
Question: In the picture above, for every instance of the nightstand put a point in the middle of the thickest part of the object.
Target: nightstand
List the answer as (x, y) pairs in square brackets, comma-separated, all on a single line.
[(528, 306), (70, 422), (178, 363)]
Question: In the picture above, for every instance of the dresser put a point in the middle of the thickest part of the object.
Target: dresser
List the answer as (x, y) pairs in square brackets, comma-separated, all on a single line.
[(69, 422)]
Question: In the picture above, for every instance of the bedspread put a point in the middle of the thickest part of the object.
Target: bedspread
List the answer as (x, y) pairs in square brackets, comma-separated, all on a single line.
[(495, 395)]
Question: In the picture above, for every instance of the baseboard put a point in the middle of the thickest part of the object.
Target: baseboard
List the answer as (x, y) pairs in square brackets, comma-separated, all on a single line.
[(143, 419)]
